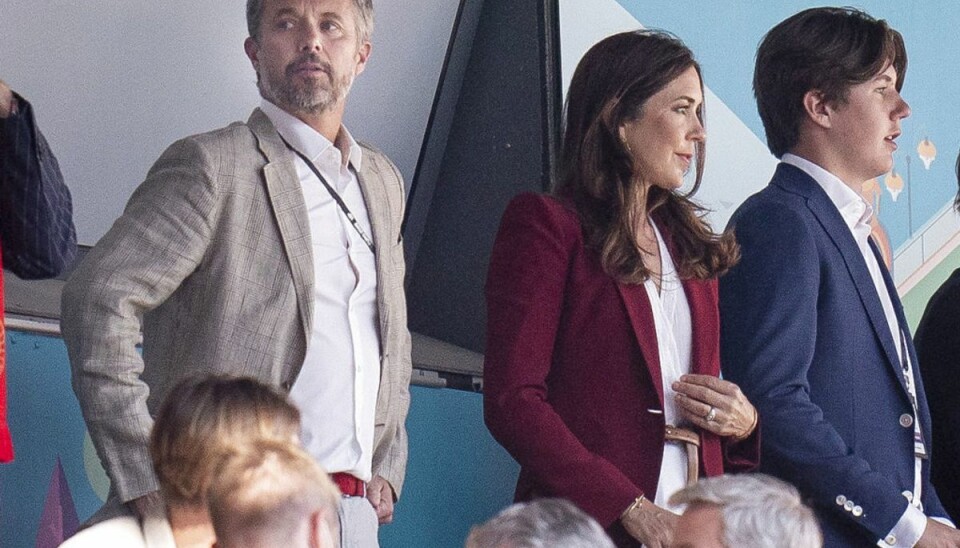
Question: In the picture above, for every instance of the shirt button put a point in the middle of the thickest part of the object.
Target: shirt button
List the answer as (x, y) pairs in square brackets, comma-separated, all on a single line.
[(857, 511), (906, 420), (286, 385), (841, 500), (891, 540)]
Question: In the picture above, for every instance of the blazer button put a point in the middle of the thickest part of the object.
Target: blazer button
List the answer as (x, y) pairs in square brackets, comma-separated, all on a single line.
[(891, 540), (857, 511), (906, 420), (841, 500), (848, 506)]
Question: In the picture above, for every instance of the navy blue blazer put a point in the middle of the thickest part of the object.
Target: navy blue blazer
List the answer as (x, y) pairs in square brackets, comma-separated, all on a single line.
[(804, 335)]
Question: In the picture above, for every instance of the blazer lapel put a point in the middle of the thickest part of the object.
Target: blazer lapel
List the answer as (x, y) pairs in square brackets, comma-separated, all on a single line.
[(289, 210), (795, 180), (705, 328), (644, 328), (378, 212)]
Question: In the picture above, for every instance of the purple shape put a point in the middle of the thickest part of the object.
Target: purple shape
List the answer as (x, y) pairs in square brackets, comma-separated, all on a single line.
[(59, 519)]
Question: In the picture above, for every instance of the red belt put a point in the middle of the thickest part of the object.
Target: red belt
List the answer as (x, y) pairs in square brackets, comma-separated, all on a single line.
[(350, 486)]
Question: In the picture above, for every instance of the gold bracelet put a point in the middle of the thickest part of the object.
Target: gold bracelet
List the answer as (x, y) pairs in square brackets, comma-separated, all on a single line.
[(635, 505)]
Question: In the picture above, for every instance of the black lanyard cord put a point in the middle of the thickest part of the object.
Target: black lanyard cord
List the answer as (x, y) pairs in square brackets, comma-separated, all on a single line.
[(336, 197)]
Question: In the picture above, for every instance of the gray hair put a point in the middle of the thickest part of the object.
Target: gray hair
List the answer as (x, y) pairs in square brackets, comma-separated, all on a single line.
[(363, 9), (758, 511), (543, 523)]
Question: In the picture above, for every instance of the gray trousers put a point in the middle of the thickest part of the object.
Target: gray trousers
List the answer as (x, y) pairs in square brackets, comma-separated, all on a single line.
[(358, 523)]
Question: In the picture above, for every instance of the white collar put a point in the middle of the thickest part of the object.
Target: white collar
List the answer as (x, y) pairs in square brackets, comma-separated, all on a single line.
[(852, 207), (308, 140)]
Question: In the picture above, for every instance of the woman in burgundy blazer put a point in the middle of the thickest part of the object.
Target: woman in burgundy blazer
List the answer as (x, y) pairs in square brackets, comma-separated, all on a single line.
[(572, 383)]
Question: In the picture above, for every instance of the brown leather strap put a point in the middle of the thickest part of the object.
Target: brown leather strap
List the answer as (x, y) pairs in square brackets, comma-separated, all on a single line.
[(691, 441)]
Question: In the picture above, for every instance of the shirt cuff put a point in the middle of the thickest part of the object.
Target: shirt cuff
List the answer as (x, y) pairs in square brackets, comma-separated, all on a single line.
[(945, 521), (907, 531)]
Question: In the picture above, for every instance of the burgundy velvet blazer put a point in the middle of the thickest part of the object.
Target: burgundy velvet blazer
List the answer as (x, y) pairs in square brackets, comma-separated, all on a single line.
[(572, 385)]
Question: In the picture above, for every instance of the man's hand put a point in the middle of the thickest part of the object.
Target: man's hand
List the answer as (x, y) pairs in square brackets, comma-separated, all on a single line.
[(150, 504), (7, 100), (380, 495), (938, 535)]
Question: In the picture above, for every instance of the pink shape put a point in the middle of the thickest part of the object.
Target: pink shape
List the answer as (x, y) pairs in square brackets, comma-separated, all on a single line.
[(59, 519)]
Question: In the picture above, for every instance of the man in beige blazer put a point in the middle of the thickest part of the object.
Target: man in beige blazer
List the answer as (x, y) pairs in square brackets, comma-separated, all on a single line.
[(215, 258)]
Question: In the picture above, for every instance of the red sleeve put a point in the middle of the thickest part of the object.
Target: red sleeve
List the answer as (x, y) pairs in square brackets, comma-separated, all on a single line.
[(742, 456), (6, 442)]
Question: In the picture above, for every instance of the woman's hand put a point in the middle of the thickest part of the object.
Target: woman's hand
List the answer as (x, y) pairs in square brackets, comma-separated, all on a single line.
[(715, 405), (650, 524)]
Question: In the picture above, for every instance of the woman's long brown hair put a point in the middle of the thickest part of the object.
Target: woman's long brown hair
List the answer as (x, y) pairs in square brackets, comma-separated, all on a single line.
[(609, 88)]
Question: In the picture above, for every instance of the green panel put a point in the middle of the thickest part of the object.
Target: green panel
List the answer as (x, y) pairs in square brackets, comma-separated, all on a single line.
[(915, 301)]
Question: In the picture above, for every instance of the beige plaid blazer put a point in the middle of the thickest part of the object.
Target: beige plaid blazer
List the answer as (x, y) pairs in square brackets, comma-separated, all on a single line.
[(213, 254)]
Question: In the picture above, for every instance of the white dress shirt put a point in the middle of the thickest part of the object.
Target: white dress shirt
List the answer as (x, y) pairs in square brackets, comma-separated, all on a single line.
[(856, 214), (336, 390), (671, 318)]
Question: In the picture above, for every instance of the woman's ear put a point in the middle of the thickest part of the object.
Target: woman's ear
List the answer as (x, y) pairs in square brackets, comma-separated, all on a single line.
[(622, 131)]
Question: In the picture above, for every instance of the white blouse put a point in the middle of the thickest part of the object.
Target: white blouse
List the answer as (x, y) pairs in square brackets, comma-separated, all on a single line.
[(671, 316)]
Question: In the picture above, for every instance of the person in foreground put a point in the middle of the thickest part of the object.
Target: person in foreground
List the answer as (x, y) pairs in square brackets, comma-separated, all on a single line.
[(938, 349), (744, 511), (272, 494), (37, 235), (812, 327), (603, 333), (269, 248), (201, 422), (542, 523)]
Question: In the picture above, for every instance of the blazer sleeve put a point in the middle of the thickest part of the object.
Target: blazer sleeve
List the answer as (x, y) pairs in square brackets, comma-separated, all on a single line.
[(525, 292), (768, 311), (937, 350), (158, 241), (742, 456), (36, 212)]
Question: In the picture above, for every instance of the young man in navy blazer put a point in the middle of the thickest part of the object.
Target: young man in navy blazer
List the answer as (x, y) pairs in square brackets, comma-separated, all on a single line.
[(812, 328)]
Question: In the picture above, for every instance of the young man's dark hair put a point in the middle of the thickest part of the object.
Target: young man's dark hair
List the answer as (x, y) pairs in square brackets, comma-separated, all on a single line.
[(825, 49)]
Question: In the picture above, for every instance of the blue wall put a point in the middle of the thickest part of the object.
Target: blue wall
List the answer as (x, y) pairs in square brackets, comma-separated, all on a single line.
[(457, 474)]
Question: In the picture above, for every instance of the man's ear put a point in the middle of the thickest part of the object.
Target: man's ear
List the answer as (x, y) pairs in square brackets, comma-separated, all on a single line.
[(363, 54), (252, 48), (817, 109)]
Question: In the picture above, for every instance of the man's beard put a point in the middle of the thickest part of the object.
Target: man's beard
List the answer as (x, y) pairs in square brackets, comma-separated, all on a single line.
[(313, 96)]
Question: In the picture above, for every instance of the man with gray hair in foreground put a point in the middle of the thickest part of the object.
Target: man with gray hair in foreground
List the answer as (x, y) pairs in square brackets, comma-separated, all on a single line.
[(273, 494), (542, 523), (744, 511)]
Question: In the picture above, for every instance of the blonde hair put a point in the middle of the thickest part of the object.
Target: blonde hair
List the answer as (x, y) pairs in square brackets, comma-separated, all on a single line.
[(263, 495), (201, 420)]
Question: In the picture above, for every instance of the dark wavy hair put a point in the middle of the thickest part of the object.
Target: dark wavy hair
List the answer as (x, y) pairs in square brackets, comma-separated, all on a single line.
[(609, 88), (825, 49)]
